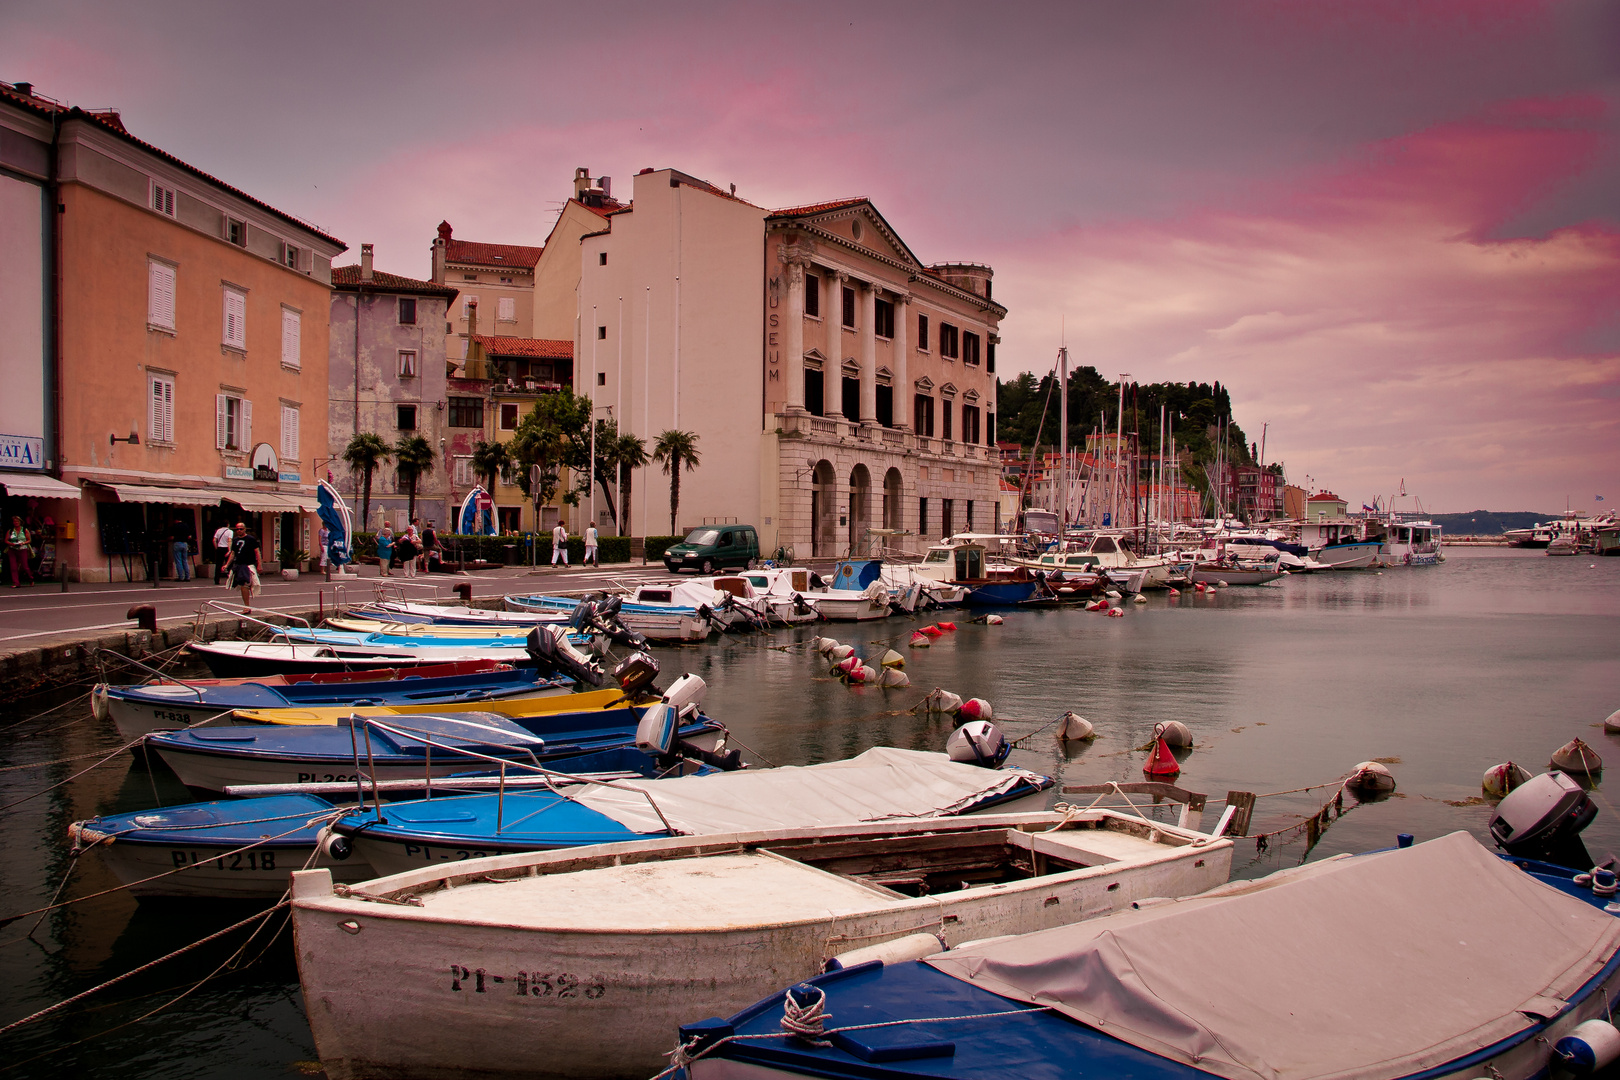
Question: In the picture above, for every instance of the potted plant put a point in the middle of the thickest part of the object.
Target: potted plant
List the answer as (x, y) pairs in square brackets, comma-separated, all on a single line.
[(292, 559)]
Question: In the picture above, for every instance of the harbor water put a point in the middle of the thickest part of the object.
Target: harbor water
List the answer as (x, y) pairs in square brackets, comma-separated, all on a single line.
[(1439, 671)]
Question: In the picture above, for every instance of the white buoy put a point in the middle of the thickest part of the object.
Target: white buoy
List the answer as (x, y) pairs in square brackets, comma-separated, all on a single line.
[(1222, 585), (1503, 778), (825, 645), (975, 709), (892, 659), (1138, 599), (841, 652), (1590, 1047), (1611, 723), (1115, 612), (920, 640), (101, 710), (1075, 728), (993, 620), (846, 665), (1371, 776), (1176, 735), (1113, 594), (1576, 757), (939, 701), (893, 677)]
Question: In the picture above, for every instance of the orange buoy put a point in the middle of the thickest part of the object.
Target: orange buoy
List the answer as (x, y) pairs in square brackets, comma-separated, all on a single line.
[(1161, 762)]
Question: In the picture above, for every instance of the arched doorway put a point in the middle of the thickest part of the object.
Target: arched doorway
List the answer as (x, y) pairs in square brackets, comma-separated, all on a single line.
[(892, 516), (823, 490), (860, 508)]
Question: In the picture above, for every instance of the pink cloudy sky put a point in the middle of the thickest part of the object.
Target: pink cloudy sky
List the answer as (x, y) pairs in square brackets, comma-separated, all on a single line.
[(1393, 229)]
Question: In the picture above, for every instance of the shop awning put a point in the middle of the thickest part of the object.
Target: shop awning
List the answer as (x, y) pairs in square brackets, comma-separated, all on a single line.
[(255, 502), (173, 496), (38, 486)]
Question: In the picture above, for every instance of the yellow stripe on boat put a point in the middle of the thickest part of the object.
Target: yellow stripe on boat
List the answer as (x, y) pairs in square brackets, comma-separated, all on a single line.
[(588, 701)]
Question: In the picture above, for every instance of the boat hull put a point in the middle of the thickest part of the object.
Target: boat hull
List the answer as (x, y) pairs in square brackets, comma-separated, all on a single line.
[(1348, 556), (471, 998), (1000, 593), (1211, 576), (222, 872)]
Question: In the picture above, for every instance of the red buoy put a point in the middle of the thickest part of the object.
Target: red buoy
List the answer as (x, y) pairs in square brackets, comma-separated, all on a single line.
[(946, 625), (1161, 762), (932, 631)]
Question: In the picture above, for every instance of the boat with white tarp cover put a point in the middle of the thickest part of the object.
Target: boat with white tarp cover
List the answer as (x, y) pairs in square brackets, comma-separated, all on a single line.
[(1433, 961), (580, 963)]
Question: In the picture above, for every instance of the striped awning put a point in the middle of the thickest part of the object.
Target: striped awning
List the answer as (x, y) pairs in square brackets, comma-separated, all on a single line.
[(37, 485), (267, 502)]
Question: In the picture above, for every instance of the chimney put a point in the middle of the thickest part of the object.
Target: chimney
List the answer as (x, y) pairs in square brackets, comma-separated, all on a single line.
[(606, 184), (26, 89), (365, 262), (475, 352), (582, 182), (439, 246)]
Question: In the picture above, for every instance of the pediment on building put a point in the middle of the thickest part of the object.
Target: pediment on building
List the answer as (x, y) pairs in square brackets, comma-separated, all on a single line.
[(855, 222), (971, 395), (885, 377), (814, 361), (852, 369), (949, 389), (925, 384)]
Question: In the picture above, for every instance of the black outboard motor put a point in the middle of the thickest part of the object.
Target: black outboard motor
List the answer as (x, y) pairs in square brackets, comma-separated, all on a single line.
[(1543, 818), (609, 608), (553, 657), (583, 614), (635, 675)]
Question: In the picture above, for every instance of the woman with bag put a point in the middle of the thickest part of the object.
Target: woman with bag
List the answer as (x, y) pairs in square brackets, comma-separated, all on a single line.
[(410, 546), (385, 551), (18, 549)]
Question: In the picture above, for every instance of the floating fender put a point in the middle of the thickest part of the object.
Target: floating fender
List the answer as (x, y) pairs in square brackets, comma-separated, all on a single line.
[(997, 620), (931, 631), (1371, 776), (841, 652), (978, 742), (892, 659), (1076, 728), (1161, 762), (893, 677), (1503, 778), (975, 709), (99, 707), (1174, 733), (920, 640), (1590, 1047), (335, 846), (1611, 723), (1114, 613), (948, 627), (1577, 758), (898, 951)]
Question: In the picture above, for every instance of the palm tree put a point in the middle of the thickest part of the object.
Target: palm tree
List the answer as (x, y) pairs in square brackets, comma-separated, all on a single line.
[(413, 459), (363, 454), (631, 453), (490, 460), (672, 448)]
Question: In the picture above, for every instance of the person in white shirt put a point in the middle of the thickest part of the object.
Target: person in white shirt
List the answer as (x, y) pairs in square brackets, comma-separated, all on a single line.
[(222, 545), (590, 547), (559, 545)]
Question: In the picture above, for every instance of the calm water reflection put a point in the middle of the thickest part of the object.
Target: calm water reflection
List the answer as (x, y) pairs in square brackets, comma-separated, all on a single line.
[(1450, 669)]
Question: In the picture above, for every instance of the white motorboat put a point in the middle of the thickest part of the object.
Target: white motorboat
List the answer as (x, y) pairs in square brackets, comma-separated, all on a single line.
[(581, 963), (784, 592), (904, 579), (669, 611), (1411, 543), (1339, 543)]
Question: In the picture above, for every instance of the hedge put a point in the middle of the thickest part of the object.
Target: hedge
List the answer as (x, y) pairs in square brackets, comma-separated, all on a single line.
[(497, 549), (656, 545)]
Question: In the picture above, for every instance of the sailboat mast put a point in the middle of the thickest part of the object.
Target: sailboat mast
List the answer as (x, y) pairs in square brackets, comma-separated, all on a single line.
[(1063, 439)]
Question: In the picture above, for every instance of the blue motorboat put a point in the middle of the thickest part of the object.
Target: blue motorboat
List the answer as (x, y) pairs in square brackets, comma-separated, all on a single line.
[(882, 782), (158, 706), (1441, 959), (394, 746)]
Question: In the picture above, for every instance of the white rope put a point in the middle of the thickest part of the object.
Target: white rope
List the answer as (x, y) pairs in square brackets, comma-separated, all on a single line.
[(808, 1021)]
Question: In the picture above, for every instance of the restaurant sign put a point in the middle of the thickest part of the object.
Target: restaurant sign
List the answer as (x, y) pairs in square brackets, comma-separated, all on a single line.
[(22, 452)]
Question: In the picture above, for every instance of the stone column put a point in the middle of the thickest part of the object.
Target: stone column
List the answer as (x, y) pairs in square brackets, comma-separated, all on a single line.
[(793, 338), (901, 366), (867, 332), (832, 316)]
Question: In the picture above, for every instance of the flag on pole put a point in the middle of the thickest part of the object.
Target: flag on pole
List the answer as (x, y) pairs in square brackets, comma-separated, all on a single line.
[(1600, 498)]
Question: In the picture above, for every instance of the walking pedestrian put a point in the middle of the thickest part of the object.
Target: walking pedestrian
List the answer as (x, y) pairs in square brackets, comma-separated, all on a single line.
[(18, 549), (385, 551), (430, 548), (243, 563), (410, 548), (559, 545), (180, 543), (222, 550), (590, 546)]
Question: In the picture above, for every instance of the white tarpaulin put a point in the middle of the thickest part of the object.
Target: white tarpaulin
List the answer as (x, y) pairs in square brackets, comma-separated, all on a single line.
[(882, 783), (271, 502), (38, 486), (171, 496), (1359, 968)]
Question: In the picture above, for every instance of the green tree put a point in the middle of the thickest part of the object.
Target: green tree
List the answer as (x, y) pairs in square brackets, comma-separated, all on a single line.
[(671, 450), (413, 459), (365, 452), (554, 435), (491, 460), (631, 454), (606, 466)]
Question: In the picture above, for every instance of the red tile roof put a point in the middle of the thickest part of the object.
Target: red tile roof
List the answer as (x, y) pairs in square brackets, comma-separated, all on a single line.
[(111, 121), (1324, 496), (472, 253), (541, 348), (817, 208), (348, 277), (609, 206)]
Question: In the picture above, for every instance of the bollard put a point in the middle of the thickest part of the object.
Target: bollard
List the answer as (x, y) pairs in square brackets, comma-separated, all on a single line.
[(145, 616), (464, 590), (61, 572)]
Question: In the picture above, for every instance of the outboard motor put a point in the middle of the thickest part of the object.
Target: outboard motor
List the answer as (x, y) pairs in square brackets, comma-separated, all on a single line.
[(584, 612), (609, 608), (656, 734), (1543, 819), (552, 656), (978, 742), (635, 674)]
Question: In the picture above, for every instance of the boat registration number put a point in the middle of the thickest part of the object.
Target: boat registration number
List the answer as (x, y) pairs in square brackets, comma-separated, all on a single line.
[(325, 778), (442, 854), (525, 984), (241, 860), (169, 716)]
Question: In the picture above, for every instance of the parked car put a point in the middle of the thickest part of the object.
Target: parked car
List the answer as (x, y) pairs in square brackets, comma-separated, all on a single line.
[(713, 547)]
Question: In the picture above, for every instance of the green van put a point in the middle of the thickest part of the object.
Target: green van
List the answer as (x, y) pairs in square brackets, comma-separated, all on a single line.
[(713, 547)]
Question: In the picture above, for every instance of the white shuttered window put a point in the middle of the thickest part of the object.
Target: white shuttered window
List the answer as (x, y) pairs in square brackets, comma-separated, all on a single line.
[(506, 309), (160, 295), (235, 319), (160, 409), (233, 422), (289, 435), (292, 326)]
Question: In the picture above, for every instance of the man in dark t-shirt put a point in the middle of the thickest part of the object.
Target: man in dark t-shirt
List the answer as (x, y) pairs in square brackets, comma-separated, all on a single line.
[(242, 561)]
